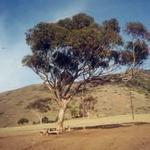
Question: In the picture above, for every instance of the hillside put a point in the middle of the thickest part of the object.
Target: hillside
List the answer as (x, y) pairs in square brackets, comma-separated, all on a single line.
[(112, 99)]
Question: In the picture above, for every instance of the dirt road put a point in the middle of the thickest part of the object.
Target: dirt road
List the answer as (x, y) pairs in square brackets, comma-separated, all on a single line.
[(134, 137)]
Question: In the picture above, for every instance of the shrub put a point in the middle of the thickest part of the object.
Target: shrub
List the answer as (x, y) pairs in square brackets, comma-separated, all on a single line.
[(34, 122), (45, 120), (74, 112), (42, 105), (23, 121)]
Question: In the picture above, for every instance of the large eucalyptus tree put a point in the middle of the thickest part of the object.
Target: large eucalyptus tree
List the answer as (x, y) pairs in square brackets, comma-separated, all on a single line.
[(72, 52)]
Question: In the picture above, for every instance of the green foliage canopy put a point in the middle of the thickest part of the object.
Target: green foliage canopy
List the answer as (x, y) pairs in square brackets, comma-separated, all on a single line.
[(79, 48)]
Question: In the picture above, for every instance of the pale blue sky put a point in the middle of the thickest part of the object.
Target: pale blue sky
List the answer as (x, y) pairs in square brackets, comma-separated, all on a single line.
[(16, 16)]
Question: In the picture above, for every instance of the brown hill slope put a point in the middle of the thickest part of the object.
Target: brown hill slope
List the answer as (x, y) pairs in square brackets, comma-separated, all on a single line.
[(112, 99)]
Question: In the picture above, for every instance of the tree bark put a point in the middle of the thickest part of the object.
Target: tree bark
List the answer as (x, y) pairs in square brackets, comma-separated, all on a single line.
[(61, 114)]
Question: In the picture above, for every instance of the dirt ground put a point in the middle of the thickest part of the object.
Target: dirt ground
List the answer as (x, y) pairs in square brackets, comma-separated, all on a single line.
[(134, 137)]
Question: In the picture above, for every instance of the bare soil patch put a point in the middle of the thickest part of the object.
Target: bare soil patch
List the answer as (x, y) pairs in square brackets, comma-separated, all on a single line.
[(134, 137)]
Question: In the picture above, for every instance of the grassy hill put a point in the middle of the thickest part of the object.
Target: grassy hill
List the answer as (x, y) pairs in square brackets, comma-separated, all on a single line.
[(112, 99)]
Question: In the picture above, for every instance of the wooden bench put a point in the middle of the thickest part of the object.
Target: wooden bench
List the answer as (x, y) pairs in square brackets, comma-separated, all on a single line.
[(49, 131)]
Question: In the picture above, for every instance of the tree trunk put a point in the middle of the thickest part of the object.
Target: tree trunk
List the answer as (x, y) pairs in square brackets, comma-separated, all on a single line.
[(60, 121), (40, 118), (132, 107), (39, 115)]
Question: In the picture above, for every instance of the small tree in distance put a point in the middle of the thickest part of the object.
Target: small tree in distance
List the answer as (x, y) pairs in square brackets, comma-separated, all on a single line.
[(137, 50), (39, 107), (72, 50), (87, 105)]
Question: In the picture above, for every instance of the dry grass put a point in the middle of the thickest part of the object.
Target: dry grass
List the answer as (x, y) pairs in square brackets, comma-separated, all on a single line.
[(112, 111), (131, 136), (76, 123)]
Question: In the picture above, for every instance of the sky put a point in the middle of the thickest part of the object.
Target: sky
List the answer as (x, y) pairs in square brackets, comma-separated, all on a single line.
[(17, 16)]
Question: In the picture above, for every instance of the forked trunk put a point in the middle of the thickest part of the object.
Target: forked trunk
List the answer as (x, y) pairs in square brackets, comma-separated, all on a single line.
[(61, 114)]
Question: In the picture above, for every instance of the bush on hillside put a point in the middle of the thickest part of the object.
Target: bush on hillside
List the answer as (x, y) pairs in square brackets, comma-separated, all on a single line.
[(23, 121)]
